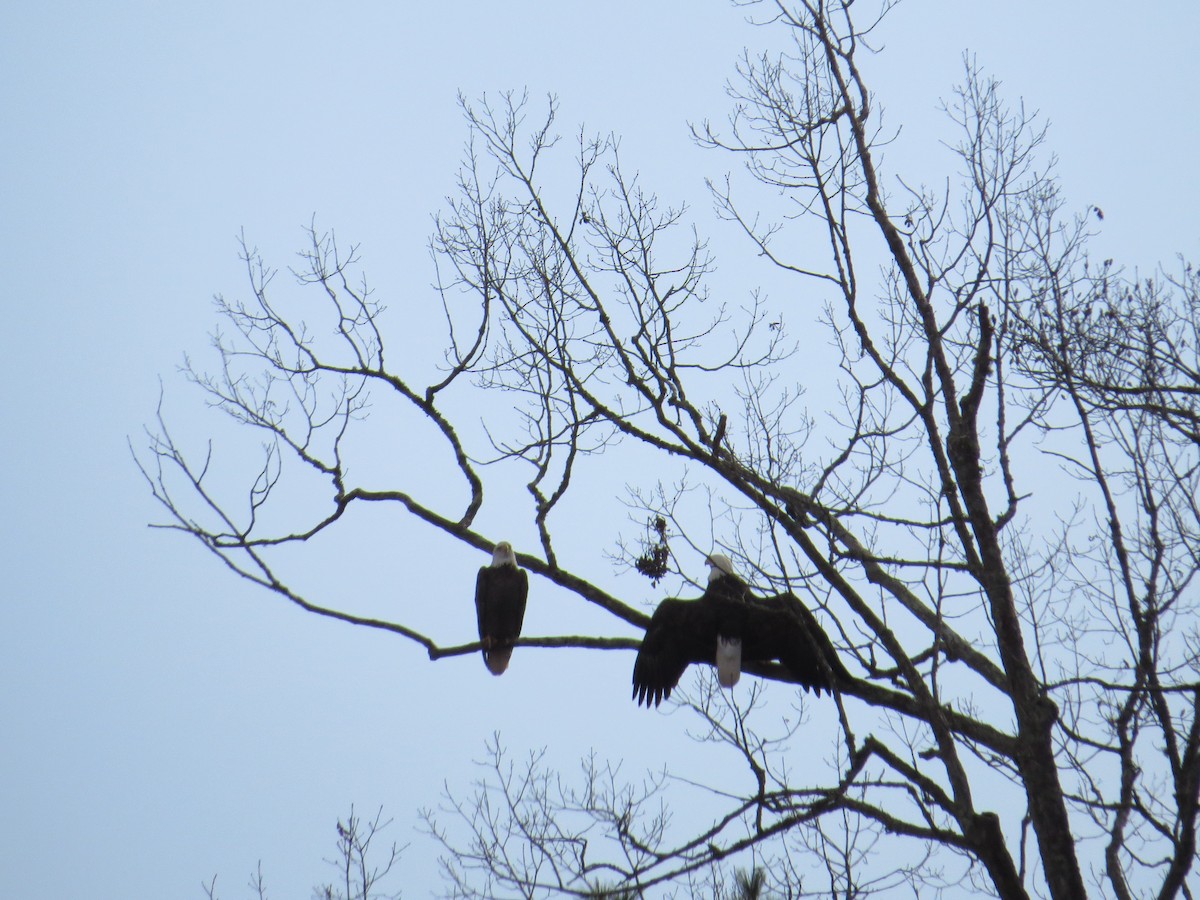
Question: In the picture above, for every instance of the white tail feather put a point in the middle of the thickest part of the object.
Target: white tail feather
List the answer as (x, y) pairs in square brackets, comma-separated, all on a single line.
[(729, 661)]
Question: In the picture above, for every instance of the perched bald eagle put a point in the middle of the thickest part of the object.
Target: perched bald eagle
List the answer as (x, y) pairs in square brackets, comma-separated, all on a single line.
[(500, 593), (728, 594), (726, 626)]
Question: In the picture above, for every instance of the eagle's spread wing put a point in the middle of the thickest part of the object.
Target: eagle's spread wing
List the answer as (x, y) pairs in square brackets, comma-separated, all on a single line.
[(500, 596), (783, 628), (680, 632)]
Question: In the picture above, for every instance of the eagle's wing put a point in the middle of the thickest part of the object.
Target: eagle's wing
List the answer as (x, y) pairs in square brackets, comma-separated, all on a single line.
[(680, 632), (828, 653), (516, 586), (483, 603), (783, 628)]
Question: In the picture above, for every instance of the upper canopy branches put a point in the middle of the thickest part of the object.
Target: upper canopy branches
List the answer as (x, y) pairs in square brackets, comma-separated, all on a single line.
[(992, 618)]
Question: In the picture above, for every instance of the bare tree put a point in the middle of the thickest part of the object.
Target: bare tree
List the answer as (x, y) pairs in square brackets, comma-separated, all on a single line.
[(1120, 345), (360, 868), (1122, 356), (1024, 712)]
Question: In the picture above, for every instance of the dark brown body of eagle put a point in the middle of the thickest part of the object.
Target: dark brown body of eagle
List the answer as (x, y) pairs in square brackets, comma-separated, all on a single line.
[(726, 626), (501, 590)]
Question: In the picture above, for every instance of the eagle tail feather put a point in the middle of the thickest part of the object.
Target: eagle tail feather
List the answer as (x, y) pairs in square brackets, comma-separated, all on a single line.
[(497, 659), (729, 661)]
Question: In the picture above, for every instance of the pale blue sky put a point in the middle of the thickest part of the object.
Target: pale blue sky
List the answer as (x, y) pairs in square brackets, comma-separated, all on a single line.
[(161, 720)]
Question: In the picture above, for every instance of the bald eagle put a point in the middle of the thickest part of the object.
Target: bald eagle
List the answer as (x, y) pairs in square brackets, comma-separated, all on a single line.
[(500, 593), (726, 626), (728, 594)]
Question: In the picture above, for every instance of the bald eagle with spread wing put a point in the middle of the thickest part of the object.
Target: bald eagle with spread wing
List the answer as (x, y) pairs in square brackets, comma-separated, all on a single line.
[(500, 593), (726, 626)]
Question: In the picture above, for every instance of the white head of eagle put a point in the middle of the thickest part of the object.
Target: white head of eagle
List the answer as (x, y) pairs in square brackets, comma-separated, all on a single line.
[(504, 555), (718, 565)]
